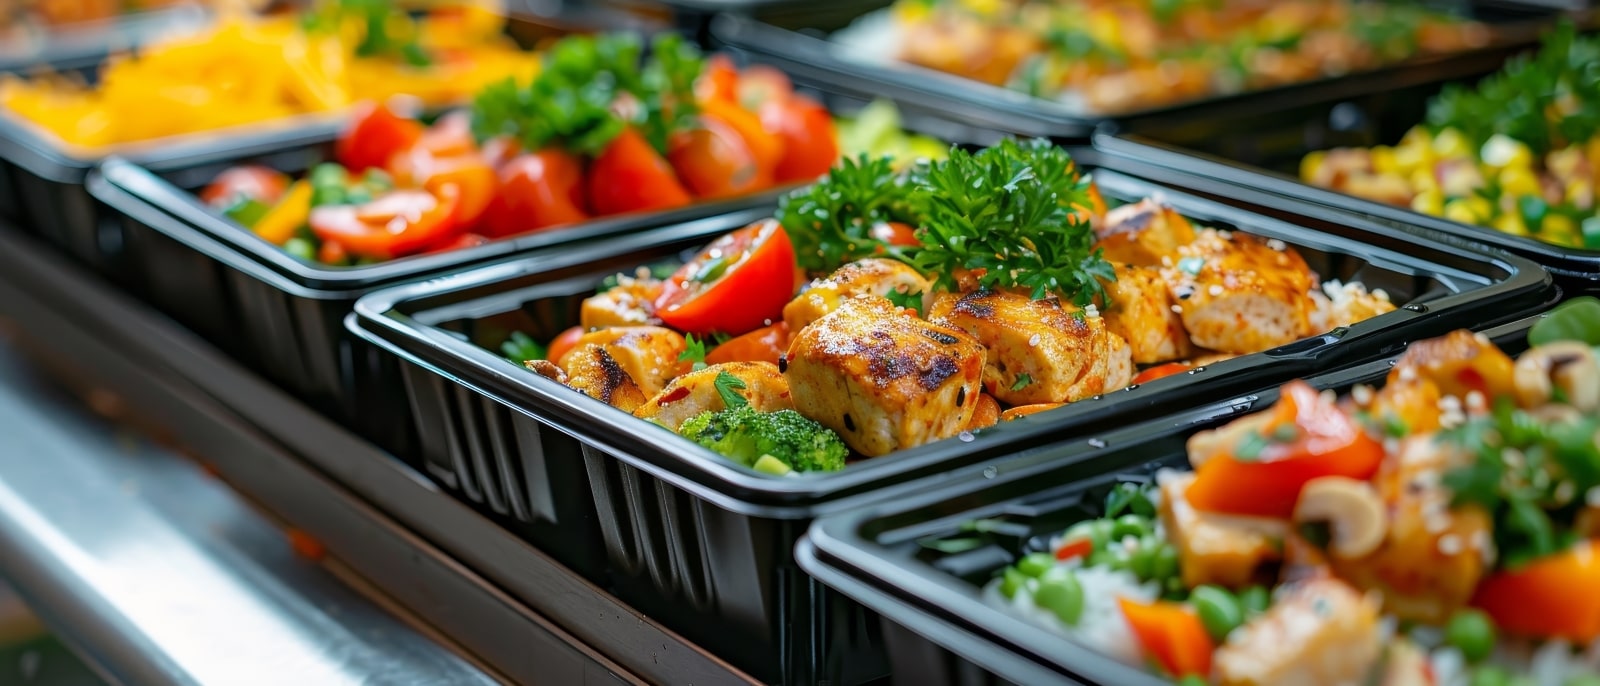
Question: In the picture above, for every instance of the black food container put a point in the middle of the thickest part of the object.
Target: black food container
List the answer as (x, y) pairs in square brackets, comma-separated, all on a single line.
[(797, 39), (1262, 149), (705, 545), (939, 629)]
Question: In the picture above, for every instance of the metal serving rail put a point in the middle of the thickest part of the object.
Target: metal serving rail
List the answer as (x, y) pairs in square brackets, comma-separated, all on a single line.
[(503, 602)]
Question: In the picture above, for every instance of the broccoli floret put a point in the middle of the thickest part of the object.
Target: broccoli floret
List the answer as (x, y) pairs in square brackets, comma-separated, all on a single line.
[(745, 435)]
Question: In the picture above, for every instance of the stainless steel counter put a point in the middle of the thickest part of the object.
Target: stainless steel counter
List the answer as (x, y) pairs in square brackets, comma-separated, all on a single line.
[(159, 574)]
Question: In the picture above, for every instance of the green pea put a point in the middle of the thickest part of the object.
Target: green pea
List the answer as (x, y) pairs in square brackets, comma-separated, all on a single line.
[(1036, 564), (1141, 561), (1130, 525), (1219, 610), (301, 248), (1062, 595), (1255, 600), (1100, 532), (1081, 530), (1490, 676), (1011, 581), (1166, 565), (1103, 558), (1471, 632)]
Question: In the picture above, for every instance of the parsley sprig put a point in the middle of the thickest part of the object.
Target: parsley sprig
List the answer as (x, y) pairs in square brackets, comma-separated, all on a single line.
[(576, 99), (830, 222), (1006, 210)]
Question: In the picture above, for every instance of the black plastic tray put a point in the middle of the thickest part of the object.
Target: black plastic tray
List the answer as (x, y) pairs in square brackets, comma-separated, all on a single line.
[(793, 37), (706, 544), (42, 180), (939, 630), (1262, 149)]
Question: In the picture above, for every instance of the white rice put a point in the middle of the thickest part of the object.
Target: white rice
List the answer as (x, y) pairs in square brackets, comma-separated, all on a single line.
[(1551, 663), (1101, 627)]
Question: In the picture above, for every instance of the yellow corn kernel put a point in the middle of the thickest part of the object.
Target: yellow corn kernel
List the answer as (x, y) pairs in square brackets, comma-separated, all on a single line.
[(1512, 223), (1311, 164), (1383, 160), (1519, 181), (1411, 158), (1458, 211), (1557, 228), (1480, 206), (1428, 202), (1451, 144), (1417, 137), (1580, 194), (1424, 180)]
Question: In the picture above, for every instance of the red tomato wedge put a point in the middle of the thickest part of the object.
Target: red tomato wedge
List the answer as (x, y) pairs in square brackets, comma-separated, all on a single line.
[(894, 233), (563, 343), (714, 161), (1552, 597), (374, 135), (630, 176), (253, 182), (810, 144), (765, 344), (537, 191), (1160, 371), (739, 283), (473, 178), (1304, 437), (1077, 547), (1172, 635), (396, 224)]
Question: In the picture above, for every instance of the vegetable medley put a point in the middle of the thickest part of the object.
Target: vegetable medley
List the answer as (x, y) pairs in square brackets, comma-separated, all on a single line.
[(1112, 56), (249, 70), (1443, 529), (884, 309), (1518, 153), (600, 131)]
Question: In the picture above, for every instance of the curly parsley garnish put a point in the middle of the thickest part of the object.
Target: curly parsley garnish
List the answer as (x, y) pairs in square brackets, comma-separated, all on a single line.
[(830, 222), (694, 351)]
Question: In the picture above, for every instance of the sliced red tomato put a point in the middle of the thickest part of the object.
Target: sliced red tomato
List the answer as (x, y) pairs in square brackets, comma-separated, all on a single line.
[(537, 191), (253, 182), (450, 135), (472, 176), (895, 233), (374, 135), (396, 224), (765, 344), (739, 283), (714, 161), (564, 343), (1160, 371), (1077, 547), (630, 176), (1172, 635), (466, 240), (1552, 597), (766, 147), (810, 144), (1303, 437)]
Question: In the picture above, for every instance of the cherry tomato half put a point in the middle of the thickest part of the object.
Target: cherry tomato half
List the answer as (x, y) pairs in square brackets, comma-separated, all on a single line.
[(740, 282), (765, 344), (630, 176), (396, 224), (714, 161), (467, 171), (253, 182), (894, 233), (810, 144), (537, 191), (375, 134), (1160, 371), (563, 343)]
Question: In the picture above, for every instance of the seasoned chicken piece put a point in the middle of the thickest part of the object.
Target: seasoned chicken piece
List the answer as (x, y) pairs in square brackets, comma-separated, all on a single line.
[(882, 379), (1459, 362), (1343, 304), (696, 392), (862, 277), (1225, 550), (1411, 402), (649, 354), (1141, 313), (1317, 633), (1240, 295), (1038, 351), (593, 371), (1433, 555), (629, 303), (546, 369), (967, 47), (1142, 233)]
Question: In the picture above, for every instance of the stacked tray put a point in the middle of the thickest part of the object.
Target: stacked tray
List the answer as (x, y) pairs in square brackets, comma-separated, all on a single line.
[(705, 544), (938, 626)]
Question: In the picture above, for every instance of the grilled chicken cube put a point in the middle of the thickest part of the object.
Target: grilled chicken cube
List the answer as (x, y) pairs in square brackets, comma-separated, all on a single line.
[(1320, 632), (1038, 351), (1224, 550), (649, 354), (592, 370), (862, 277), (1141, 313), (967, 46), (1434, 554), (1142, 233), (546, 369), (629, 303), (883, 379), (691, 394), (1459, 362), (1238, 294)]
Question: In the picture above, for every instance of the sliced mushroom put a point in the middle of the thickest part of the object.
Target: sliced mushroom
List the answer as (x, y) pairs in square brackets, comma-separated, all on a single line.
[(1568, 366), (1352, 509)]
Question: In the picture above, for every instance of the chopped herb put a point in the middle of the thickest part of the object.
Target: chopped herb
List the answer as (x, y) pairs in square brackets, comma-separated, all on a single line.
[(910, 301), (1022, 382), (1129, 497), (694, 351), (1394, 426), (830, 222), (728, 386), (1250, 447), (521, 347)]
